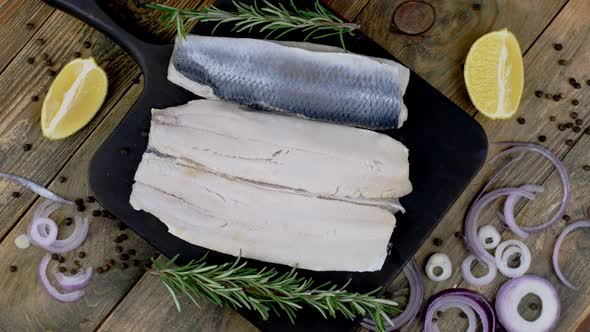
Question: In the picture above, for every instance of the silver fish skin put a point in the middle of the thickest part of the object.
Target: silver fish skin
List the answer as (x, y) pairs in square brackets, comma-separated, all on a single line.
[(302, 79)]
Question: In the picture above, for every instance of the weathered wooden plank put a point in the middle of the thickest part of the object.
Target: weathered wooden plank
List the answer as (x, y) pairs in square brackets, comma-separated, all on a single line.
[(149, 307), (347, 9), (19, 119), (438, 54), (21, 19), (26, 306), (543, 73)]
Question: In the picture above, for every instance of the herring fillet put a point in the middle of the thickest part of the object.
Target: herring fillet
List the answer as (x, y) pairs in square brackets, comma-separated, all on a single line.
[(303, 79), (315, 158), (236, 218)]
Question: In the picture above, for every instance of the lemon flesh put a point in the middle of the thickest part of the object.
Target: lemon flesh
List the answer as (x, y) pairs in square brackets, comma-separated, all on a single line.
[(73, 99), (494, 74)]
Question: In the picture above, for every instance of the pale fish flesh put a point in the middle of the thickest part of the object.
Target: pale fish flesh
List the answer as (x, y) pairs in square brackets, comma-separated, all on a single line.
[(239, 218), (307, 80), (309, 157)]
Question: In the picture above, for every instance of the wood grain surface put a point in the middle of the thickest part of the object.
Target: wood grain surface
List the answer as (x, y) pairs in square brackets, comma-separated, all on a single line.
[(131, 300)]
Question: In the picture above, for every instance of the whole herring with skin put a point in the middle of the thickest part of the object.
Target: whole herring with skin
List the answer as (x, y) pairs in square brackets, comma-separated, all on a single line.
[(302, 79)]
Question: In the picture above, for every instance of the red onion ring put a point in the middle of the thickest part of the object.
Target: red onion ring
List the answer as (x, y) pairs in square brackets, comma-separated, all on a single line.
[(43, 232), (478, 281), (489, 232), (502, 258), (441, 261), (555, 258), (38, 189), (73, 241), (412, 272), (52, 291), (471, 238), (559, 167), (510, 295), (509, 204), (74, 282), (458, 297)]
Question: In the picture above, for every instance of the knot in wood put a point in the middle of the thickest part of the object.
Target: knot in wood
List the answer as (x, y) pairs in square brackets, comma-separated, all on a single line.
[(413, 17)]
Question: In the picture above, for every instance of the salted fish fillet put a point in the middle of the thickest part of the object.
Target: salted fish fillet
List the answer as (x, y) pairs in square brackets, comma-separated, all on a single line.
[(319, 159), (307, 80), (235, 218)]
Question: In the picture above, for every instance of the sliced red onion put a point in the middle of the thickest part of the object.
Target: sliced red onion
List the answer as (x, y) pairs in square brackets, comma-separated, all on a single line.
[(497, 175), (478, 281), (502, 259), (38, 189), (74, 282), (489, 232), (53, 292), (555, 259), (43, 232), (458, 297), (513, 291), (74, 240), (559, 167), (441, 261), (471, 238), (22, 241), (412, 272), (509, 216), (45, 209)]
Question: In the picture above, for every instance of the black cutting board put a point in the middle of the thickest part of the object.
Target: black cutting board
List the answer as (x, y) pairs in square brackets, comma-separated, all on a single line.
[(447, 148)]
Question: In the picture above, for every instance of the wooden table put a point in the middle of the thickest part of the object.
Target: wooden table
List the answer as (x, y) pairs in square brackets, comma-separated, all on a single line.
[(130, 300)]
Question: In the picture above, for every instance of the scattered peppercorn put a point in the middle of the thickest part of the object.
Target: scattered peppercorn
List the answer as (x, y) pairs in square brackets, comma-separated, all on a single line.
[(27, 147), (132, 251), (539, 93), (15, 194), (54, 257), (96, 213), (124, 151), (458, 235), (557, 97), (112, 261), (579, 122), (68, 221), (521, 120), (588, 82), (121, 226), (124, 266), (566, 217), (577, 85), (586, 168), (45, 56), (135, 80), (81, 254), (40, 41), (572, 81), (557, 46), (587, 131), (87, 44), (90, 199), (34, 98), (124, 257), (13, 268), (30, 26), (79, 201), (62, 179), (561, 126), (73, 271), (462, 314), (77, 263), (147, 264), (569, 125), (48, 63), (62, 269), (106, 267), (562, 62), (100, 270), (118, 239), (77, 54), (552, 118), (569, 142), (119, 249), (61, 259), (542, 138), (31, 61), (576, 129), (439, 313), (81, 208), (51, 73)]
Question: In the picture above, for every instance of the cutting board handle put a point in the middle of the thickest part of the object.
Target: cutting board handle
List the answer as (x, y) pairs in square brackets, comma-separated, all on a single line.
[(90, 12)]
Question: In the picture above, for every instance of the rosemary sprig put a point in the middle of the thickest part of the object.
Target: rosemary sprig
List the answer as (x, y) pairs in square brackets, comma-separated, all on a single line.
[(274, 19), (267, 290)]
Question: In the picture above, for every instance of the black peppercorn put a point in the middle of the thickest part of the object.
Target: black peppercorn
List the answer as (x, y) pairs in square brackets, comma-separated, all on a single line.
[(112, 261), (62, 179), (81, 208), (30, 26), (124, 257), (13, 268), (557, 46), (569, 142), (77, 263), (90, 199), (77, 54), (124, 266), (588, 82), (61, 259), (539, 93), (542, 138), (81, 254), (572, 81), (576, 129), (557, 97), (586, 168), (40, 41), (73, 271), (575, 102), (437, 242), (462, 314), (96, 213), (587, 131), (119, 249), (34, 98), (51, 73), (68, 221), (118, 239), (577, 85), (566, 217), (15, 194), (48, 63), (54, 257), (100, 270), (521, 120), (552, 118), (44, 56), (30, 60), (561, 126), (569, 125), (62, 269), (27, 147), (87, 44), (79, 201), (562, 62), (121, 226), (458, 235)]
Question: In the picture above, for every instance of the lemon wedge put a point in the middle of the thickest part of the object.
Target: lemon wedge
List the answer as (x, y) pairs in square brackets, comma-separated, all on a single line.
[(74, 97), (494, 74)]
